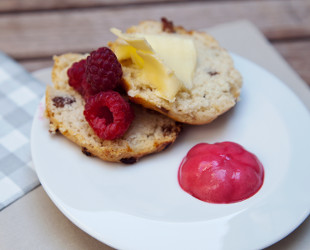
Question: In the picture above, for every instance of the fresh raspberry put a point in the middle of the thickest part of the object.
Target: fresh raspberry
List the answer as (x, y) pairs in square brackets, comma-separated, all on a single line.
[(77, 79), (76, 74), (108, 114), (103, 71), (87, 89)]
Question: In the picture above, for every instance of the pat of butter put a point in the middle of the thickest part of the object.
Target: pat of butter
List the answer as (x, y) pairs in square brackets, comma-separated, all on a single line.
[(177, 52), (167, 61)]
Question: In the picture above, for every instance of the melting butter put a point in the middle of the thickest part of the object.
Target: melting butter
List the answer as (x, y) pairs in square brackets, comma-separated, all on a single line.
[(177, 52), (167, 61)]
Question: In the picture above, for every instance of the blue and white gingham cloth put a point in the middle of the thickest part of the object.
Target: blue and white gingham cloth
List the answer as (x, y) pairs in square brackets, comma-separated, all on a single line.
[(20, 94)]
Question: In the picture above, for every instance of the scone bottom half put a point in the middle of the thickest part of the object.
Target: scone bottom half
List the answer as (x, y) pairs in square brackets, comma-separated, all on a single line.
[(149, 133), (216, 83)]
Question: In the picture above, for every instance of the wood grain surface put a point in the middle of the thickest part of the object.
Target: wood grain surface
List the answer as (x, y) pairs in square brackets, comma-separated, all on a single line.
[(34, 30), (31, 5)]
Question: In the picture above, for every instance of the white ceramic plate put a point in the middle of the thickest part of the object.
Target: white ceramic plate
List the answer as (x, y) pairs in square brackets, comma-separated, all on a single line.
[(141, 206)]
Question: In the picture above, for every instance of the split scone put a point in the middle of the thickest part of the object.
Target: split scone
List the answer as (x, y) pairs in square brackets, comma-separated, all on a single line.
[(150, 131), (182, 74)]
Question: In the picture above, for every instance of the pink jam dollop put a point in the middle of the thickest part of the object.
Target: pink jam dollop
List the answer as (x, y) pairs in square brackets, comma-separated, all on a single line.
[(220, 173)]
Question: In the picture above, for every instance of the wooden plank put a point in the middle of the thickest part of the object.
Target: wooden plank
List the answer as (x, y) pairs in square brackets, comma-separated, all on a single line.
[(31, 5), (36, 64), (32, 35), (34, 5), (297, 54)]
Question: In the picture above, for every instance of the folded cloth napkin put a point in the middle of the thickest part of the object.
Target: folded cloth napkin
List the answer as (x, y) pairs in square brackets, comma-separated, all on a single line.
[(20, 94)]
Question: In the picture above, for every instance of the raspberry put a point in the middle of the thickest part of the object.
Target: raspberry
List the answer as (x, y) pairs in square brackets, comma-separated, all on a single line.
[(77, 79), (76, 74), (108, 114), (103, 71), (87, 89)]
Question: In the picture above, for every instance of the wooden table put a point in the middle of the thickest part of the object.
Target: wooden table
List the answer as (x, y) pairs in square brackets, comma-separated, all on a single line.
[(32, 31)]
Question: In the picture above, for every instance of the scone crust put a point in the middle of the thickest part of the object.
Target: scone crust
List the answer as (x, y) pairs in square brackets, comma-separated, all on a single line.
[(216, 83)]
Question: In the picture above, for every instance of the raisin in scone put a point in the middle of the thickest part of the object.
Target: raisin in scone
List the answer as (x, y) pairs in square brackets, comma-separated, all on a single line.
[(215, 85), (150, 131)]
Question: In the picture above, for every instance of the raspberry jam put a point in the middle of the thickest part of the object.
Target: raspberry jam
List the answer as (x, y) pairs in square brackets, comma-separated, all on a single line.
[(220, 173)]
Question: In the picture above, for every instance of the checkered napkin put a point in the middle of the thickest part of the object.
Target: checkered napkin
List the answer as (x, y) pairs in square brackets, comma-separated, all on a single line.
[(20, 94)]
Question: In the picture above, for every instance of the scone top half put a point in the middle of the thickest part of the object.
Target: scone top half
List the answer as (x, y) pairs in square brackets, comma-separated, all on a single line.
[(215, 83)]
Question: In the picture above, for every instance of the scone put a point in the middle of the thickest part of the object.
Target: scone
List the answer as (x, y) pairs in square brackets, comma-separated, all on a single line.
[(215, 86), (150, 131)]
